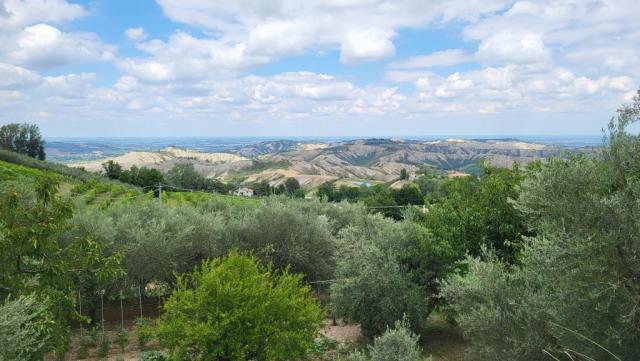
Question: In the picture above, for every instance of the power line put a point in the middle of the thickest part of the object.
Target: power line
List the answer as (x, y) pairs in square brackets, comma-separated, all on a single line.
[(113, 198), (407, 206), (184, 189), (323, 281)]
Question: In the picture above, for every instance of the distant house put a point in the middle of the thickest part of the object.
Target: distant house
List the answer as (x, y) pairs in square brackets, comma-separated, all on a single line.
[(455, 174), (243, 192), (361, 184)]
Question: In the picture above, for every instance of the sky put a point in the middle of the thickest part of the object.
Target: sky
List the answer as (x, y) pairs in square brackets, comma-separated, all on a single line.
[(317, 67)]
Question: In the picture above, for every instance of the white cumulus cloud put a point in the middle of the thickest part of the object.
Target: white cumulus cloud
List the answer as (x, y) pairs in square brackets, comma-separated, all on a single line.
[(366, 45), (15, 77), (507, 47), (135, 34), (43, 45)]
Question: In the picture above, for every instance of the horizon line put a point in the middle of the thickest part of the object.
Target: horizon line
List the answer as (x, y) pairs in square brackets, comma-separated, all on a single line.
[(285, 137)]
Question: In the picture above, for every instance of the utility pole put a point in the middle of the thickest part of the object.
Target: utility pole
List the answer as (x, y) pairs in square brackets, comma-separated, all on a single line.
[(160, 193)]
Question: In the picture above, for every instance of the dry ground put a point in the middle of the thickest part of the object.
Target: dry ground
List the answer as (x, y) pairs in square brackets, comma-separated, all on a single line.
[(439, 340), (442, 341)]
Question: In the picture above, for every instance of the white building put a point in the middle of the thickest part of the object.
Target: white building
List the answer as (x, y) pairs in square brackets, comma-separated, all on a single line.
[(244, 192)]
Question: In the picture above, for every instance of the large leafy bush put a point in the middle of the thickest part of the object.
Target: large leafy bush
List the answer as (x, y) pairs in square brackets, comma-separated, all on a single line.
[(234, 308)]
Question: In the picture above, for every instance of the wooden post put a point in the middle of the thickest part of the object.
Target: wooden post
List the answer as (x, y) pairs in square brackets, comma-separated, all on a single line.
[(80, 305), (102, 312), (121, 312), (140, 298)]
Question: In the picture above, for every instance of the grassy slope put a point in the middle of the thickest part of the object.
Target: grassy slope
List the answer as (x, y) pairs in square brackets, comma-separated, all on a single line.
[(91, 188)]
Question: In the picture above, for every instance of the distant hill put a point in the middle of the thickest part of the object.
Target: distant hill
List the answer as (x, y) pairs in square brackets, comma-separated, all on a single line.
[(312, 163)]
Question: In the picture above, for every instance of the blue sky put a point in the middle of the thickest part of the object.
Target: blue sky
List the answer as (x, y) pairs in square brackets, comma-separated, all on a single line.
[(318, 67)]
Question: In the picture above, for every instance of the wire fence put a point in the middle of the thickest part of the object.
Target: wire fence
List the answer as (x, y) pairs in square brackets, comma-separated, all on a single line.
[(117, 311)]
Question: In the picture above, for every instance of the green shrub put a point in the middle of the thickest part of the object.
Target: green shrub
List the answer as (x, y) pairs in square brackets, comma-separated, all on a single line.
[(355, 356), (82, 352), (323, 344), (144, 331), (396, 344), (152, 356), (122, 338), (103, 348), (23, 333), (234, 308), (91, 337), (85, 343)]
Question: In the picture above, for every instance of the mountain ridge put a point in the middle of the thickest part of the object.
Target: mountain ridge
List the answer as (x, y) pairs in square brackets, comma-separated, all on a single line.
[(314, 162)]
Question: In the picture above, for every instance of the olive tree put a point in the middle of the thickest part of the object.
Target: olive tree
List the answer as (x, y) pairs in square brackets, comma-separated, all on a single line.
[(286, 235), (575, 291), (387, 270), (24, 328)]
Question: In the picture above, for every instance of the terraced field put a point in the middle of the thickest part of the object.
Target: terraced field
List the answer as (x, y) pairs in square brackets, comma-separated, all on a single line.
[(102, 192)]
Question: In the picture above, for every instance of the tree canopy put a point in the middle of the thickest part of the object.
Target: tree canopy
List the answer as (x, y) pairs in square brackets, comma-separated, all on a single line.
[(574, 292), (23, 138)]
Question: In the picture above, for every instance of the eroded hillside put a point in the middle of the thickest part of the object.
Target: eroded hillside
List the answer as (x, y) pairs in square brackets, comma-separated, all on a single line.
[(312, 163)]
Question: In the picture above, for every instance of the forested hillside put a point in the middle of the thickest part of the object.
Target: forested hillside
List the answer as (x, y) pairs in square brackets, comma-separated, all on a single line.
[(535, 262)]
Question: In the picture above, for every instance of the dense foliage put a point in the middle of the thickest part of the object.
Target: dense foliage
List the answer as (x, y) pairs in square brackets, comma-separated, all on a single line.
[(142, 177), (159, 241), (471, 213), (24, 328), (22, 138), (290, 187), (575, 291), (380, 197), (182, 177), (33, 261), (185, 177), (234, 308), (387, 270)]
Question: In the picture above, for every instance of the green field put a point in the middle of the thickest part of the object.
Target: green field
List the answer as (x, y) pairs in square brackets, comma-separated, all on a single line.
[(93, 189)]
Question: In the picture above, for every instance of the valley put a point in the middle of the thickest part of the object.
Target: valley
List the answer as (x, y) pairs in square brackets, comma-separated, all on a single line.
[(312, 163)]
